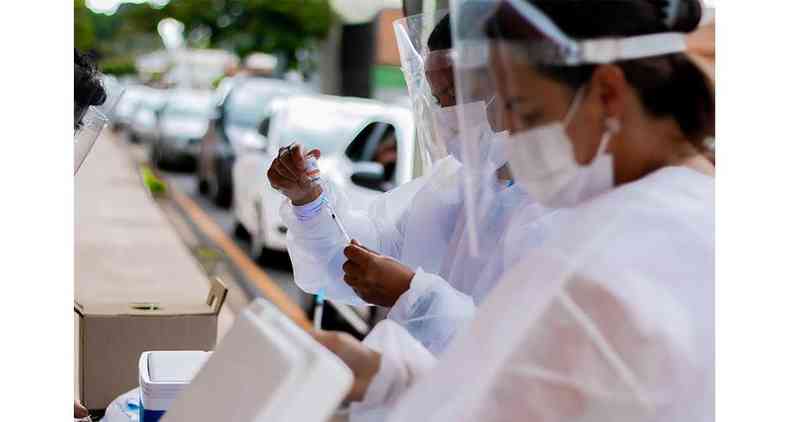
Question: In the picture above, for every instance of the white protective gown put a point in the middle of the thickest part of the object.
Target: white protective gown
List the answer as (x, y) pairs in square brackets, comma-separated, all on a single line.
[(421, 224), (611, 319)]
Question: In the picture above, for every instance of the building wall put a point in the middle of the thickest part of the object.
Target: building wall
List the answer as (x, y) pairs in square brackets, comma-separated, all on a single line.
[(386, 47)]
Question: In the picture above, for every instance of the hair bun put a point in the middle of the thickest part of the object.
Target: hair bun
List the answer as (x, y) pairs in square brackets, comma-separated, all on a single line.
[(88, 87), (681, 15)]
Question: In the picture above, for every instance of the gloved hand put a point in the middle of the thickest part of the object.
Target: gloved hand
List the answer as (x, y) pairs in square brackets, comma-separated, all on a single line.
[(287, 174), (363, 361), (375, 278)]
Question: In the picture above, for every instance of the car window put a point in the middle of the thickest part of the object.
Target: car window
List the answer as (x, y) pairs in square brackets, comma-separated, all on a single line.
[(263, 128), (377, 143)]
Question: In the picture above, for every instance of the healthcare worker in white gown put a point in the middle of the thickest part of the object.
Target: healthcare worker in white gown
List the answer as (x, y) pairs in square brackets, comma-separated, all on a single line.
[(612, 318), (410, 250)]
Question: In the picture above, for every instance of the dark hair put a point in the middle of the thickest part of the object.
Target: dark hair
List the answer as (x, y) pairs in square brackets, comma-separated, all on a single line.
[(441, 37), (88, 88), (669, 85)]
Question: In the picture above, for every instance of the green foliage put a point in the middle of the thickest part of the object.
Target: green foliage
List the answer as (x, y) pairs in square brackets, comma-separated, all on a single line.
[(388, 77), (84, 36), (215, 83), (243, 26), (154, 184), (119, 65)]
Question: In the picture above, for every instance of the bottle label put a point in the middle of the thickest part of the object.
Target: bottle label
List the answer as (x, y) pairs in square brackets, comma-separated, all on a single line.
[(311, 168)]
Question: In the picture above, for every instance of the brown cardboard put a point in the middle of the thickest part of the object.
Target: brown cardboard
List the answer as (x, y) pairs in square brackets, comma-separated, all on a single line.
[(113, 335)]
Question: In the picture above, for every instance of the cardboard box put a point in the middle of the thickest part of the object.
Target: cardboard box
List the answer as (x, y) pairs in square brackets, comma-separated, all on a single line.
[(113, 336)]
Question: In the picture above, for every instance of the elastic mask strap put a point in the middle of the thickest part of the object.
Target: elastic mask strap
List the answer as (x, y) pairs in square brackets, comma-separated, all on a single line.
[(612, 127), (575, 104)]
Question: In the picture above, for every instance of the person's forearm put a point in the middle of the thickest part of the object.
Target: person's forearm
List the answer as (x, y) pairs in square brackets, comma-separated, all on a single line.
[(402, 361), (316, 244)]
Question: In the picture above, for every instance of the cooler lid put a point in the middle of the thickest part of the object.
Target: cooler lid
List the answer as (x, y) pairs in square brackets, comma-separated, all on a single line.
[(173, 367)]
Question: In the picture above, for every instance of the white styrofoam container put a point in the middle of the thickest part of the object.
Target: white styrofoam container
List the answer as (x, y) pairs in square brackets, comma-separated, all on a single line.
[(264, 369), (164, 374)]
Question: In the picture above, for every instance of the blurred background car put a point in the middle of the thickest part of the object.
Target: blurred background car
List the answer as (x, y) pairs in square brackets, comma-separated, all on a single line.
[(122, 115), (183, 123), (143, 124), (239, 112), (367, 147)]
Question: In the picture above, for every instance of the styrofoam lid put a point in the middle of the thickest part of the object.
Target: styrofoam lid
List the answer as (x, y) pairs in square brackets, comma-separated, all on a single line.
[(265, 369), (175, 366)]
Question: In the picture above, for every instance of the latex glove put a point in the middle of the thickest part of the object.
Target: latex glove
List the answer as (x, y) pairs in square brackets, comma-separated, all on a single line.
[(377, 279), (287, 174), (363, 361)]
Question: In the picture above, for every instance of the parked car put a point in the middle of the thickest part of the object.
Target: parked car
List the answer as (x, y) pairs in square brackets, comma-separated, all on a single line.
[(143, 126), (240, 110), (367, 147), (114, 89), (182, 125), (127, 105)]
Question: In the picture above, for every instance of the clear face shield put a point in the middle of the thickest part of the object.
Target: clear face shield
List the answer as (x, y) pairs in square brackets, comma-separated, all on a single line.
[(89, 123), (507, 50), (481, 128), (429, 80)]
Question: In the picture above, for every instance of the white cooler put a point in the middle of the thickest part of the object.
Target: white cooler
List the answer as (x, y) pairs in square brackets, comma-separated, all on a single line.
[(163, 376), (264, 369)]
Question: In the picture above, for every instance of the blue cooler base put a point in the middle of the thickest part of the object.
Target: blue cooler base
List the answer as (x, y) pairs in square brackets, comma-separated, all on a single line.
[(147, 415), (150, 415), (125, 408)]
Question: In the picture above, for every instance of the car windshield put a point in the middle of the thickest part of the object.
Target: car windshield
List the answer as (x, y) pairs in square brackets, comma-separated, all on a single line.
[(128, 101), (248, 104), (192, 106), (331, 125), (152, 100)]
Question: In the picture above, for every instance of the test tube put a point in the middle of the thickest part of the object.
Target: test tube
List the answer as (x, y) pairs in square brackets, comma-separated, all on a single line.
[(311, 167)]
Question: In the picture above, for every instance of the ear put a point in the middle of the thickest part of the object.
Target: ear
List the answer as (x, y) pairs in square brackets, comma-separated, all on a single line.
[(608, 83)]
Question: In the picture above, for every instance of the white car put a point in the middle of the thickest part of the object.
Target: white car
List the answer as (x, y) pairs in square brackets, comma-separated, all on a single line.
[(143, 124), (127, 105), (182, 123), (367, 147)]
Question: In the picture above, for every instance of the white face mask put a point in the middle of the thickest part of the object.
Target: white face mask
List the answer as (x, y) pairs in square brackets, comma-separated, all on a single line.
[(542, 162), (448, 128)]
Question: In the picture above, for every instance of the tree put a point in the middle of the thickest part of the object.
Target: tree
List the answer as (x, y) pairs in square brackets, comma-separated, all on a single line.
[(243, 26), (84, 37)]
